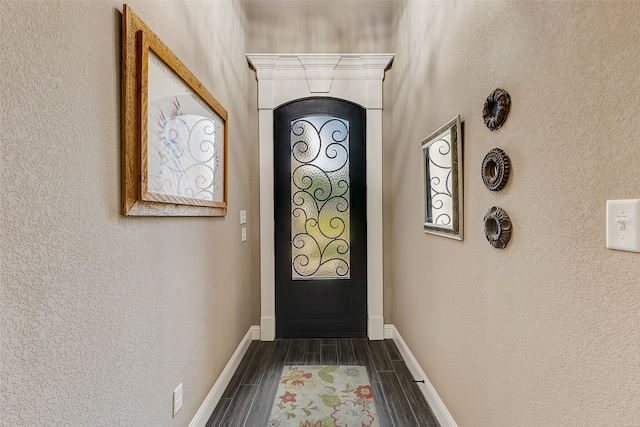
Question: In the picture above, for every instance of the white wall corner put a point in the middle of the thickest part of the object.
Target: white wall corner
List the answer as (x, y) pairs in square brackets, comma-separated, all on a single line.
[(255, 333), (436, 404), (214, 395), (389, 331)]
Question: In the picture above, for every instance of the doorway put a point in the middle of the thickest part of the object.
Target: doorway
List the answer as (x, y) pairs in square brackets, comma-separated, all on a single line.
[(355, 77), (320, 219)]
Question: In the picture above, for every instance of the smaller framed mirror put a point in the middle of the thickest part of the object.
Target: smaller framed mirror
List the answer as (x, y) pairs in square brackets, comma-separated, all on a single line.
[(442, 180)]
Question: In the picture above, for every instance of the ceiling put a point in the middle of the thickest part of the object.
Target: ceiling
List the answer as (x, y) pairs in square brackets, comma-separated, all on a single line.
[(320, 25), (378, 10)]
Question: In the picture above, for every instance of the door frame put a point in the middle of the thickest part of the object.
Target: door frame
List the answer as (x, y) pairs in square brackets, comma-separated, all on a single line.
[(353, 77)]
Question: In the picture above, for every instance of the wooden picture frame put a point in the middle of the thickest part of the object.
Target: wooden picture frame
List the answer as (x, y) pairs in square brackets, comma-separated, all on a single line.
[(174, 132)]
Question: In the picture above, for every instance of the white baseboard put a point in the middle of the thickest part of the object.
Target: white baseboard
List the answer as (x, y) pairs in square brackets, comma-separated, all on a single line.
[(255, 333), (435, 403), (389, 331), (212, 399)]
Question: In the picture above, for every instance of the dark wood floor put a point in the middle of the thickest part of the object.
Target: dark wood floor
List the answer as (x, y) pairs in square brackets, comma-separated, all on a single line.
[(248, 398)]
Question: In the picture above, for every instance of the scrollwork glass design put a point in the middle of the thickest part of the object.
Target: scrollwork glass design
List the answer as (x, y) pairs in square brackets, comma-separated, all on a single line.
[(320, 198), (185, 161), (185, 140), (437, 158)]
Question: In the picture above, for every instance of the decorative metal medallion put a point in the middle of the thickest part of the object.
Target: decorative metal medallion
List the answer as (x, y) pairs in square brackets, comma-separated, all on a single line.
[(495, 169), (496, 108), (497, 227)]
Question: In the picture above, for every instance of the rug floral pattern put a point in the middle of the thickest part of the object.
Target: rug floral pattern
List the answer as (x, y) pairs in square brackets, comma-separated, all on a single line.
[(324, 396)]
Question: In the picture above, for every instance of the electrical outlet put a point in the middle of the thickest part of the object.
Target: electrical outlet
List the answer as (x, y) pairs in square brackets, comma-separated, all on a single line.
[(244, 234), (177, 399)]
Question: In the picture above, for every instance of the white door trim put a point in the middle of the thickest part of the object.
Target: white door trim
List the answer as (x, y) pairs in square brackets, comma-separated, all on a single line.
[(352, 77)]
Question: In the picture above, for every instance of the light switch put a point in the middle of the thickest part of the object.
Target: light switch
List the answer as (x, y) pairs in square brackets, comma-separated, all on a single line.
[(623, 225), (244, 234), (243, 217)]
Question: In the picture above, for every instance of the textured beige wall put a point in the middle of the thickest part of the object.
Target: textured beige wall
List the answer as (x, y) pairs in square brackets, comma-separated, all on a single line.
[(103, 316), (547, 331)]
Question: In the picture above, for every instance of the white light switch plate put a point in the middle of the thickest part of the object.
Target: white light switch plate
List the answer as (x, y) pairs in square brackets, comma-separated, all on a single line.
[(177, 399), (244, 234), (623, 225), (243, 217)]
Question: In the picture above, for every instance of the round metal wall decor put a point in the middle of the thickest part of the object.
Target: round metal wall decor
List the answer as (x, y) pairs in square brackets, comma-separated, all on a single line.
[(495, 169), (497, 227), (496, 108)]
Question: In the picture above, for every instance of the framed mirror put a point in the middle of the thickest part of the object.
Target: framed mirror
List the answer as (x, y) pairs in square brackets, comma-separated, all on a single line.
[(174, 132), (442, 180)]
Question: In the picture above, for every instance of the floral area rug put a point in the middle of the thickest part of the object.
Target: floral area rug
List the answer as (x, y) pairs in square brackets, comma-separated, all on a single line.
[(324, 396)]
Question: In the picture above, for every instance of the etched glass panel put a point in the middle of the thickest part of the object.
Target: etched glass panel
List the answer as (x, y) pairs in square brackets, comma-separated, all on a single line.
[(185, 139), (320, 198), (439, 207)]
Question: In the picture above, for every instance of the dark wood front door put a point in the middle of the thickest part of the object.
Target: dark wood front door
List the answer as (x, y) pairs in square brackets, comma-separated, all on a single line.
[(320, 219)]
